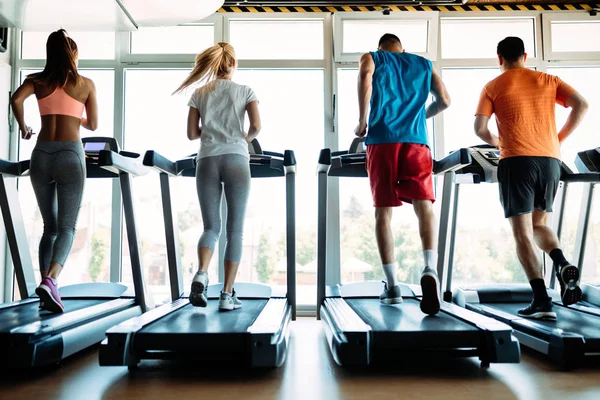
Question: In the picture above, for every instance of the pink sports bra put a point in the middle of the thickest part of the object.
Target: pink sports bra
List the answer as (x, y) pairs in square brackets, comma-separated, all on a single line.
[(60, 103)]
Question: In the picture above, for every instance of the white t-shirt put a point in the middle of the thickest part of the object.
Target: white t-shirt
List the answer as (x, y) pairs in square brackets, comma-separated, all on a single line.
[(222, 114)]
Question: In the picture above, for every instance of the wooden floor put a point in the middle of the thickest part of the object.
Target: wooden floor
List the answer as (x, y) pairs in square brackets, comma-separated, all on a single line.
[(309, 373)]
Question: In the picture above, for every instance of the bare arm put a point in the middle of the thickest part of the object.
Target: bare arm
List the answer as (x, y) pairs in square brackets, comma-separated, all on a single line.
[(254, 117), (482, 130), (193, 124), (442, 97), (16, 103), (365, 89), (91, 109), (579, 107)]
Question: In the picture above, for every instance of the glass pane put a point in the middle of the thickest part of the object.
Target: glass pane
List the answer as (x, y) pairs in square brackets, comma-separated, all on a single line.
[(478, 38), (91, 45), (283, 127), (575, 36), (464, 86), (277, 39), (146, 128), (361, 36), (89, 260), (585, 137), (172, 39)]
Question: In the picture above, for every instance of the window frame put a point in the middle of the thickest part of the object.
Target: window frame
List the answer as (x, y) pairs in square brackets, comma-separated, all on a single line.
[(548, 18), (432, 18)]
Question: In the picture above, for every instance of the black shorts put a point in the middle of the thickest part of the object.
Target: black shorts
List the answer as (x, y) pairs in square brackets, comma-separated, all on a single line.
[(526, 183)]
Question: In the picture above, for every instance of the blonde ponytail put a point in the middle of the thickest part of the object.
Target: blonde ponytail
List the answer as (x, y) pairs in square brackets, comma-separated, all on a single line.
[(217, 60)]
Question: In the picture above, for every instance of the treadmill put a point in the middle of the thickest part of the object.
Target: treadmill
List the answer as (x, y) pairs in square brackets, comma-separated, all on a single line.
[(361, 331), (256, 335), (31, 337), (576, 331), (588, 162)]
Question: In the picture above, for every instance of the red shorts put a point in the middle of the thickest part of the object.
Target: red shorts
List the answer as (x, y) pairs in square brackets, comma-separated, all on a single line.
[(399, 172)]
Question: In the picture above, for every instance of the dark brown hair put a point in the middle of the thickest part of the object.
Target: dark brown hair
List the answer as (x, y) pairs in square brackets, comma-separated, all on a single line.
[(61, 65)]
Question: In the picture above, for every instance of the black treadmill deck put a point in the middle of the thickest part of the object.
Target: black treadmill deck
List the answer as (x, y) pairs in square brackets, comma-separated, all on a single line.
[(567, 320), (200, 328), (14, 317), (391, 324)]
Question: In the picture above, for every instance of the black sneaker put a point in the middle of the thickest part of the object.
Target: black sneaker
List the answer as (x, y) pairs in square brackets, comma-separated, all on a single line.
[(568, 277), (430, 286), (390, 296), (538, 310)]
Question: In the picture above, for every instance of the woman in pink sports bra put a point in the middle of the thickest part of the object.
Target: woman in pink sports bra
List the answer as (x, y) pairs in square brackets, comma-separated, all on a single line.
[(58, 160)]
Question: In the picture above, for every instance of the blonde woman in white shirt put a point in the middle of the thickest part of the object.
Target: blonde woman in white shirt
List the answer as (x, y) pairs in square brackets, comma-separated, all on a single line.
[(216, 117)]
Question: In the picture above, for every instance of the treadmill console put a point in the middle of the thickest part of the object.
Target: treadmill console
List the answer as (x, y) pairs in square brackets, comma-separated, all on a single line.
[(485, 163), (588, 161), (93, 145)]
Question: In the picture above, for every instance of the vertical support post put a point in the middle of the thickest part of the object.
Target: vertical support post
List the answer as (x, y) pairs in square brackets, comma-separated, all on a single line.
[(172, 237), (322, 174), (445, 221), (454, 218), (17, 237), (290, 209), (142, 296), (583, 226)]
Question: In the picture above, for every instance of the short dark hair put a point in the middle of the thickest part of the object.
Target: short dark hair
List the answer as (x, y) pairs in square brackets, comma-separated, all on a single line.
[(389, 38), (511, 48)]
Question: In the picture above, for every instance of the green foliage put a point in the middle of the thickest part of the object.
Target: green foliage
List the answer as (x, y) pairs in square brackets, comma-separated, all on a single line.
[(98, 254), (264, 264)]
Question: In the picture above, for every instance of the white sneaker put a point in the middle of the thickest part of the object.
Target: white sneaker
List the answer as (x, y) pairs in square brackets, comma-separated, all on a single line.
[(228, 302), (198, 294)]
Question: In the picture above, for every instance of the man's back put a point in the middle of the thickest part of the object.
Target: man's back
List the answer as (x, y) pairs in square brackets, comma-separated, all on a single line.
[(524, 103), (401, 86)]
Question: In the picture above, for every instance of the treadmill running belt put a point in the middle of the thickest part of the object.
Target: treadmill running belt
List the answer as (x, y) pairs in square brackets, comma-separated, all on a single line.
[(207, 332), (567, 320), (406, 317), (14, 317), (209, 320)]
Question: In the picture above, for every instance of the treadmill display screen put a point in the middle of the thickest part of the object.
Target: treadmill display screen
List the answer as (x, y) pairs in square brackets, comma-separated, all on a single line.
[(94, 147)]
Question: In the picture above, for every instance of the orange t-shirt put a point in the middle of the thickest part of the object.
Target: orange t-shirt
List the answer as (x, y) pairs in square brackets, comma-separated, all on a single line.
[(524, 102)]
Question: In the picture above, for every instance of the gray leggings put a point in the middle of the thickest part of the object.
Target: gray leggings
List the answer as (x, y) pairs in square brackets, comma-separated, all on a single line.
[(213, 174), (57, 176)]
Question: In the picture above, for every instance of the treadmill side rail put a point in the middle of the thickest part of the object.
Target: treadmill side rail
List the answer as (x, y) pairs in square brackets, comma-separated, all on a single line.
[(270, 334), (349, 338)]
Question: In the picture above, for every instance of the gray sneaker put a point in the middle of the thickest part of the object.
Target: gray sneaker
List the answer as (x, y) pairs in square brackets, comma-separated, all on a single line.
[(198, 294), (228, 302), (390, 296)]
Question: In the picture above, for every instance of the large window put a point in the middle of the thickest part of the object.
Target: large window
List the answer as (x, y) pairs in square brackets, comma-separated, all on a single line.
[(272, 39), (461, 41), (90, 45), (584, 138), (189, 39), (89, 259)]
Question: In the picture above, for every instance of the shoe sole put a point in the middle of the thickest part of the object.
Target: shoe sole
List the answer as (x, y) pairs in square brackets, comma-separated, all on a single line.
[(395, 300), (229, 308), (47, 301), (197, 295), (540, 315), (430, 303), (569, 280)]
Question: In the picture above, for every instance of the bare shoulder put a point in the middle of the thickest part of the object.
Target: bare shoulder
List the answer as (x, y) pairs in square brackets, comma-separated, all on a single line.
[(367, 57)]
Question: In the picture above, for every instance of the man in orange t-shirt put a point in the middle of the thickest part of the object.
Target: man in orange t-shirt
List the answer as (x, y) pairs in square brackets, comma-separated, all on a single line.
[(529, 169)]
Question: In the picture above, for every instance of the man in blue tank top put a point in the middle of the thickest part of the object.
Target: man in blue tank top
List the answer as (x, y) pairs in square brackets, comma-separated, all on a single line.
[(396, 85)]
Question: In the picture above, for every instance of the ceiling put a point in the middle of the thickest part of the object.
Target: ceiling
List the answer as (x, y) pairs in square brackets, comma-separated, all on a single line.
[(102, 15)]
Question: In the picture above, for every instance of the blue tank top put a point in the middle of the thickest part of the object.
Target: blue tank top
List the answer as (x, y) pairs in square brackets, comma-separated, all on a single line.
[(401, 85)]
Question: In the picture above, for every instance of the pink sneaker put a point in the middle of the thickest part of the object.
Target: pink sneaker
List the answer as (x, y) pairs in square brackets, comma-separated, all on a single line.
[(49, 296)]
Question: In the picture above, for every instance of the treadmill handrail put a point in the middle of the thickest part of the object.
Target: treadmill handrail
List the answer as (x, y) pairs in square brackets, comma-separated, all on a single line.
[(160, 163), (111, 160), (452, 162), (14, 168)]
